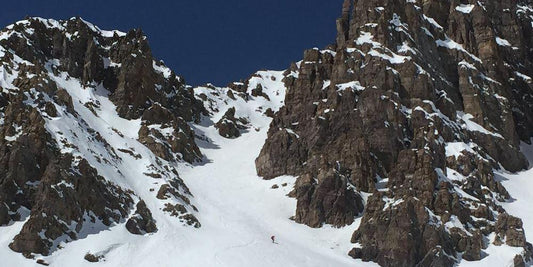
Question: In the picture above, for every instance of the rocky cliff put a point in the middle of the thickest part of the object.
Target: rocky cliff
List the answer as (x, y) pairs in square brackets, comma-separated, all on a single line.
[(68, 90), (401, 128), (413, 108)]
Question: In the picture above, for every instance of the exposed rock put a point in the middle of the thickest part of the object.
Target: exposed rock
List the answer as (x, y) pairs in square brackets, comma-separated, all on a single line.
[(281, 155), (4, 214), (63, 98), (269, 112), (141, 222), (229, 126), (66, 200), (258, 91), (42, 262), (418, 103), (92, 258), (327, 199), (175, 210), (191, 220), (167, 191), (437, 258), (168, 136), (509, 229), (412, 234), (518, 261), (180, 212), (24, 160), (231, 95), (51, 178), (241, 87)]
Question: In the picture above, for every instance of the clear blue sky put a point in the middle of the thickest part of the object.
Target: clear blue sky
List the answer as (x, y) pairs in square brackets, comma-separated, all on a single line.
[(214, 41)]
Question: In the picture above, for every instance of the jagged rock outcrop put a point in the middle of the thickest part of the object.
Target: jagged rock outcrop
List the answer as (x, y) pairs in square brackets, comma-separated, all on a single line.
[(92, 258), (168, 136), (326, 200), (23, 158), (229, 126), (413, 109), (229, 106), (70, 93), (141, 222), (122, 63), (417, 102), (68, 198)]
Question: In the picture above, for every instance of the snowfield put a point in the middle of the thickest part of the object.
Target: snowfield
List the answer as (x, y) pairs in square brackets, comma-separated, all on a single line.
[(238, 210), (520, 188)]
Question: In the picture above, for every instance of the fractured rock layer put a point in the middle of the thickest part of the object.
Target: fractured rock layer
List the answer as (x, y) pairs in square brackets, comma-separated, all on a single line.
[(59, 169), (417, 103)]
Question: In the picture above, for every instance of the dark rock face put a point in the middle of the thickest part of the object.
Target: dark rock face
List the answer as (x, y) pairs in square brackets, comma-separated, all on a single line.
[(282, 154), (417, 103), (42, 262), (23, 161), (92, 258), (177, 145), (258, 91), (123, 64), (180, 212), (66, 200), (229, 126), (141, 222), (326, 200), (409, 228), (45, 177), (510, 229)]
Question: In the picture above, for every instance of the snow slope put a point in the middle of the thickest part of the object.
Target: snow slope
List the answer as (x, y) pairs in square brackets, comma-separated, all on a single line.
[(519, 185), (238, 210)]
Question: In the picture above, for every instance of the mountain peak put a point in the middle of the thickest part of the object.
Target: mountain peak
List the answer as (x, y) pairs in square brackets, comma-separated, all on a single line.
[(413, 93), (404, 143)]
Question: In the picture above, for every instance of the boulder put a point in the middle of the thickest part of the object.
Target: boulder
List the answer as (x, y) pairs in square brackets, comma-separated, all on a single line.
[(141, 222)]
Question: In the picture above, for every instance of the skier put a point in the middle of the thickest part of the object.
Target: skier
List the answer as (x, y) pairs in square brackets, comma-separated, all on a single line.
[(273, 239)]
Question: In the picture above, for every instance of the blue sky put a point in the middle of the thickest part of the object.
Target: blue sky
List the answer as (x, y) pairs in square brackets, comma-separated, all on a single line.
[(216, 41)]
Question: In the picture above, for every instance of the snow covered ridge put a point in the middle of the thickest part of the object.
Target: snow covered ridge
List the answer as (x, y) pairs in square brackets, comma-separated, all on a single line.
[(83, 150), (398, 145), (141, 175), (63, 25), (262, 94)]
